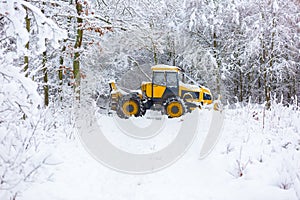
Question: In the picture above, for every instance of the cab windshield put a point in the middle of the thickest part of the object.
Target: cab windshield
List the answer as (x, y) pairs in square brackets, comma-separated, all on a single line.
[(159, 78)]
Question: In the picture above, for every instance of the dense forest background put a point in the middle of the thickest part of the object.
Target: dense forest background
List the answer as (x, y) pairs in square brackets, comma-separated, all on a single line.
[(245, 50)]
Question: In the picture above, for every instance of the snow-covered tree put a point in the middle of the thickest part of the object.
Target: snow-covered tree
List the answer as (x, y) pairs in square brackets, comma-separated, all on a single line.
[(23, 123)]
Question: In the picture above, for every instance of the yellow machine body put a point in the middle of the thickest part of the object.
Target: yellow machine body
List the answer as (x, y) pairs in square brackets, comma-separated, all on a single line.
[(188, 92), (168, 88)]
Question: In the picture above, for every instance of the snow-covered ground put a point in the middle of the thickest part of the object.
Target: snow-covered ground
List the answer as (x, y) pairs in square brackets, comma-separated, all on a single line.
[(256, 157)]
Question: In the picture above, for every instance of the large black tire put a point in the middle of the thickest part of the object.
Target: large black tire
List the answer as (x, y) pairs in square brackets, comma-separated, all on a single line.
[(188, 102), (121, 114), (174, 107), (130, 105)]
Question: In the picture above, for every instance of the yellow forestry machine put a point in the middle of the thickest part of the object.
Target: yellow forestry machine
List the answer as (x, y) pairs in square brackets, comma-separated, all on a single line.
[(168, 92)]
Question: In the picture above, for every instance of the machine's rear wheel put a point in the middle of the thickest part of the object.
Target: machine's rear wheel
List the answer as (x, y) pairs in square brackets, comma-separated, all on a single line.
[(174, 108), (130, 106)]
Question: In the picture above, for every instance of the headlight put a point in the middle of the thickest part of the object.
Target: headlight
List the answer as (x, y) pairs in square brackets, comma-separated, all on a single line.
[(206, 96)]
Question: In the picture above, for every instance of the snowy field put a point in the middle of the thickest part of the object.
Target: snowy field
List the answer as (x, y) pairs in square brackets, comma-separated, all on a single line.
[(256, 157), (56, 53)]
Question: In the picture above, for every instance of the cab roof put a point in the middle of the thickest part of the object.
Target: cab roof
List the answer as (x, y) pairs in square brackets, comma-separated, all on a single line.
[(165, 68)]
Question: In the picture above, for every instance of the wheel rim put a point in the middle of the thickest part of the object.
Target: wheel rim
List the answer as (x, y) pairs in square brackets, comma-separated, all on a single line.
[(174, 109), (130, 107)]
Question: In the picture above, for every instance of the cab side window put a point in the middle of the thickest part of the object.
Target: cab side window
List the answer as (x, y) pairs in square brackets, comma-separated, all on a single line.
[(172, 79), (159, 78)]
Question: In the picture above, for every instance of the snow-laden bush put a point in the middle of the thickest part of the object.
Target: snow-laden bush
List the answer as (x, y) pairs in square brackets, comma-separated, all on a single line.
[(264, 144), (22, 132)]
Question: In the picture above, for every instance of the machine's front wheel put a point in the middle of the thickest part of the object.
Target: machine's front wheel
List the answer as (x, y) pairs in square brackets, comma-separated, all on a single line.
[(174, 108)]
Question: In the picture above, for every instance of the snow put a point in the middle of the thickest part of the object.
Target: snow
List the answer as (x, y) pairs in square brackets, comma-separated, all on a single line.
[(257, 155), (15, 11), (48, 29), (192, 20), (204, 20), (189, 86), (248, 162), (12, 89), (17, 15), (164, 67), (275, 6)]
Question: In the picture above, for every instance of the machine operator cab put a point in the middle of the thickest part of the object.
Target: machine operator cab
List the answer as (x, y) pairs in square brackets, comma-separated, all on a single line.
[(171, 81)]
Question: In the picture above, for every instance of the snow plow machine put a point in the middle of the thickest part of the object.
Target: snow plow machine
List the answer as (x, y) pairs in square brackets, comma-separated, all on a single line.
[(171, 92)]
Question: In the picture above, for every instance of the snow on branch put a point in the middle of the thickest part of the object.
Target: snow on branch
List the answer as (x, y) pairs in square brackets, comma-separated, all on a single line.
[(48, 29), (15, 11)]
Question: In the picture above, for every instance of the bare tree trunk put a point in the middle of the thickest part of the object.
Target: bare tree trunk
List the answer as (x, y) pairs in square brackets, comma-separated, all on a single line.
[(61, 61), (259, 87), (45, 72), (267, 89), (268, 73), (45, 86), (26, 58), (171, 53), (263, 63), (217, 70), (236, 86), (78, 43), (294, 88), (241, 86), (250, 80), (155, 57), (154, 52), (60, 72)]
